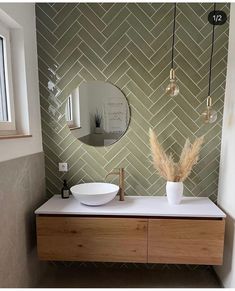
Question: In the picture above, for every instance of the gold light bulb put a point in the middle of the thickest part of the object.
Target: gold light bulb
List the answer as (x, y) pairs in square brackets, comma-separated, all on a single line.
[(209, 115), (172, 89)]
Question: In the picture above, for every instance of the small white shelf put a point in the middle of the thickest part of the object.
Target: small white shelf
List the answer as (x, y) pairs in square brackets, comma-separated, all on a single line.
[(147, 206)]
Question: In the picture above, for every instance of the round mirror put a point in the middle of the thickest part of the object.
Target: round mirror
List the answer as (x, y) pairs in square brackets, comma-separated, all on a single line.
[(97, 113)]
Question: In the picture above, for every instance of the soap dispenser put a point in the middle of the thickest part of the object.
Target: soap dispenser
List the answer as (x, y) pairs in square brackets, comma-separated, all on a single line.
[(65, 190)]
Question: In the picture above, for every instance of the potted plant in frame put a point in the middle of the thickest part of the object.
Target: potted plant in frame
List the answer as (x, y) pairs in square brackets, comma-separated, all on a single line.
[(174, 173), (98, 119)]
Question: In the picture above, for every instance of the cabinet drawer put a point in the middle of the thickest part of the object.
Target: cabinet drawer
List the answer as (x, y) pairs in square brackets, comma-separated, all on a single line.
[(186, 241), (92, 239)]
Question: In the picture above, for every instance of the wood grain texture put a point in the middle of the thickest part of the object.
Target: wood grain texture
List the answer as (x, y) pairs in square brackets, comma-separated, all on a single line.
[(185, 241), (92, 239)]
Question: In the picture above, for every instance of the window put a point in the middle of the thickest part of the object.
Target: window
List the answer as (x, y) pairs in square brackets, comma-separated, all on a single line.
[(7, 115), (69, 111), (3, 95), (72, 110)]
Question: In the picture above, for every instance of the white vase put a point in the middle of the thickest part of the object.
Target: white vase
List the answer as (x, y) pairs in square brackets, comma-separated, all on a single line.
[(174, 192)]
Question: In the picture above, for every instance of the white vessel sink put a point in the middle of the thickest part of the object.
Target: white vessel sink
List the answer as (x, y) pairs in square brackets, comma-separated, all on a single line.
[(94, 193)]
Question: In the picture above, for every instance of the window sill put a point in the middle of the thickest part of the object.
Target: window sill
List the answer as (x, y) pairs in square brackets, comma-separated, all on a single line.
[(15, 136), (74, 127)]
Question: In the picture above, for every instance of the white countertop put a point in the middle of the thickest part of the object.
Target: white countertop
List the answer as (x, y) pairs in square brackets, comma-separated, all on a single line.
[(134, 206)]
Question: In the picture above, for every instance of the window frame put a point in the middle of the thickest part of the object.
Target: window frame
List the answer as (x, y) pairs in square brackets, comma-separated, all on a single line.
[(74, 101), (69, 111), (10, 124)]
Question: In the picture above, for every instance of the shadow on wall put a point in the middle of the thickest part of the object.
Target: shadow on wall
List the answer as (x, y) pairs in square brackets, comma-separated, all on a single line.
[(224, 271)]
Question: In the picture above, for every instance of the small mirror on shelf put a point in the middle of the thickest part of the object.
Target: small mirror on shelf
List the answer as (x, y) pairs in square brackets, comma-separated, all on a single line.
[(97, 113)]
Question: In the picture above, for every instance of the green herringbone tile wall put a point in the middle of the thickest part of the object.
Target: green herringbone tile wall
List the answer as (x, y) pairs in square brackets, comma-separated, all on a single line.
[(129, 45)]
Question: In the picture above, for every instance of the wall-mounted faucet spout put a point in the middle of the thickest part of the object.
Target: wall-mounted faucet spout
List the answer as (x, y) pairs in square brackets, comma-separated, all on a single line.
[(121, 175)]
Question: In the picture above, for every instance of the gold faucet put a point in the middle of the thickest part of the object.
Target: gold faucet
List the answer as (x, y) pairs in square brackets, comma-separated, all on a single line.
[(121, 175)]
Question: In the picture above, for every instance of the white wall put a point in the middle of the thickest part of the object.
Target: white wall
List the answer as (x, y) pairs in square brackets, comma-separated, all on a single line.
[(24, 15), (226, 196)]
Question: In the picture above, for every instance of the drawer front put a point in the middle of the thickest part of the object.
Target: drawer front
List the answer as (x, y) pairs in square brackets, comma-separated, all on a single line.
[(92, 239), (186, 241)]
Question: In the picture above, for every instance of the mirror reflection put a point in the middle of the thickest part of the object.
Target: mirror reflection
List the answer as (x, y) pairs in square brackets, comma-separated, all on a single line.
[(97, 113)]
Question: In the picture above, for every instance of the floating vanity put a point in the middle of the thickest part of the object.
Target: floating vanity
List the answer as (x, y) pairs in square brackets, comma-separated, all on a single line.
[(140, 229)]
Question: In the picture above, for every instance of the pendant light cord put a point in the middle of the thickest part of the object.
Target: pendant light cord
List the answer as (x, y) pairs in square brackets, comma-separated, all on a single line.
[(212, 51), (173, 39)]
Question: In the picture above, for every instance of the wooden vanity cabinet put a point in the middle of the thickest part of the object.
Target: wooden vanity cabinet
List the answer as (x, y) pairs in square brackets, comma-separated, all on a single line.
[(129, 239), (92, 239), (186, 241)]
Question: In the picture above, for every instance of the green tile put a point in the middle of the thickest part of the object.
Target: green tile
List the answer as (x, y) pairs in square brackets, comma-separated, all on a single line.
[(185, 118), (138, 105), (133, 160), (122, 81), (91, 29), (70, 74), (115, 36), (47, 8), (68, 36), (162, 44), (188, 55), (141, 157), (139, 81), (97, 9), (135, 138), (137, 175), (183, 77), (67, 22), (191, 15), (113, 10), (64, 12), (140, 42), (93, 18), (188, 66), (115, 50), (133, 62), (120, 58), (91, 68), (57, 6), (68, 49), (92, 56), (116, 21), (161, 78), (52, 52), (86, 75), (140, 56), (139, 14), (165, 21), (147, 8), (190, 28), (162, 9), (132, 45), (188, 39), (44, 18), (198, 9), (91, 42), (161, 64), (138, 93), (139, 26), (115, 160), (69, 62), (116, 75), (45, 32), (95, 165)]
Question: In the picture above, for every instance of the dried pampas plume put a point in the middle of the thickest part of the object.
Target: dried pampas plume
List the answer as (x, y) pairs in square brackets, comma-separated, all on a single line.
[(165, 165)]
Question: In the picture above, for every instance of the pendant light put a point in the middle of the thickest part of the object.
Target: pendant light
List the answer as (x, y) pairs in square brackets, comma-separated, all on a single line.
[(173, 89), (210, 115)]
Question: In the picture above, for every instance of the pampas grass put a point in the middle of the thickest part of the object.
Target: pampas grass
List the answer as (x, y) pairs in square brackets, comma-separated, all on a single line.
[(165, 164)]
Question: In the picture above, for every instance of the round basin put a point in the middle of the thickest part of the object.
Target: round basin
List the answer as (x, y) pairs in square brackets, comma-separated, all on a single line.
[(94, 194)]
